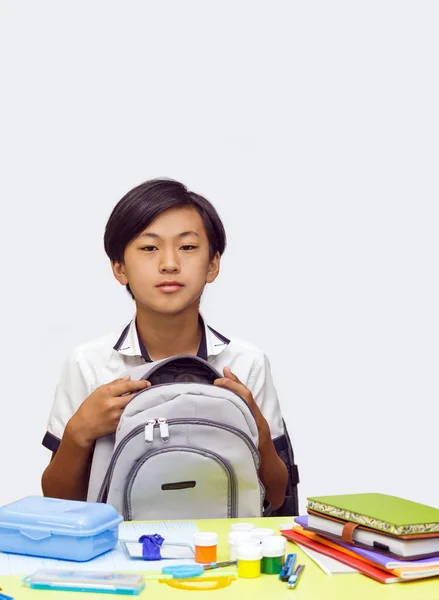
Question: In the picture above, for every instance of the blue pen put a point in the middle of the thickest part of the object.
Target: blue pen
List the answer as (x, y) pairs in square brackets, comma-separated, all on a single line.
[(288, 567), (294, 578), (4, 597)]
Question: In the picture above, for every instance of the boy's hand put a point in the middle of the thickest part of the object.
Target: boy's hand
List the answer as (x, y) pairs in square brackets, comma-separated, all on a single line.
[(100, 413), (231, 382), (272, 471)]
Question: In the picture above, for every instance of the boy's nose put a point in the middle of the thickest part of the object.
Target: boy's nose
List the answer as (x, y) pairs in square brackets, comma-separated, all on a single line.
[(169, 264), (169, 269)]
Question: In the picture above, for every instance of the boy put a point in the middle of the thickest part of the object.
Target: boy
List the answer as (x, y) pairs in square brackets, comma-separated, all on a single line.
[(164, 243)]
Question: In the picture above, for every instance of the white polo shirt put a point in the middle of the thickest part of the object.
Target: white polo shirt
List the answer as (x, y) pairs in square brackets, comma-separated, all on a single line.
[(111, 356)]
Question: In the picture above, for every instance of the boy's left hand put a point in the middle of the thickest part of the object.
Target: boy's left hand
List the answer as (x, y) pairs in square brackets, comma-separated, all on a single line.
[(231, 382)]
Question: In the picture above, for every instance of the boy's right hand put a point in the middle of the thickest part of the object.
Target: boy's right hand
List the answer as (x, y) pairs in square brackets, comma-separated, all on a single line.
[(100, 413)]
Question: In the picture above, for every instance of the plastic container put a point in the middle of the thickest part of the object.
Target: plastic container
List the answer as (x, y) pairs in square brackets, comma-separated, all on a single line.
[(205, 547), (249, 561), (53, 528), (240, 538), (273, 553), (260, 533), (242, 527)]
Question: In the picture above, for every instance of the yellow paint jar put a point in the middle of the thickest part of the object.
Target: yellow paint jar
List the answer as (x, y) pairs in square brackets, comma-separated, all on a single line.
[(239, 538), (249, 561)]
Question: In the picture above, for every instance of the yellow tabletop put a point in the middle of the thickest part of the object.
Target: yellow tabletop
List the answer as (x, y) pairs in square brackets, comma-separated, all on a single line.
[(314, 584)]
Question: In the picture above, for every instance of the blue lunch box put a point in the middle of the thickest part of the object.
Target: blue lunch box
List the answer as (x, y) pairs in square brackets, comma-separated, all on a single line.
[(53, 528)]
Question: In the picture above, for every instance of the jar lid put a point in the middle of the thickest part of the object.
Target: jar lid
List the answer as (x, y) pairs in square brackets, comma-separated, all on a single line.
[(249, 552), (242, 527), (204, 538), (242, 537), (274, 546), (260, 533)]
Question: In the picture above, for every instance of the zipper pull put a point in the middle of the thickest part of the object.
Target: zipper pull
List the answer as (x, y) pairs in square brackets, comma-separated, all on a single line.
[(164, 429), (149, 431)]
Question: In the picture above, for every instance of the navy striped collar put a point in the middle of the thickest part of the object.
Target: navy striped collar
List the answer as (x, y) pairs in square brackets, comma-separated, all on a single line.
[(129, 343)]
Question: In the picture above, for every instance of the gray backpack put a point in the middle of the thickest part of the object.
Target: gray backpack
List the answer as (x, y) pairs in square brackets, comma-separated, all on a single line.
[(184, 449)]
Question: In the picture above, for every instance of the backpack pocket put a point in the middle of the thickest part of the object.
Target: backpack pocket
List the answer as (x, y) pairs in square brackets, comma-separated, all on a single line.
[(143, 480), (201, 483)]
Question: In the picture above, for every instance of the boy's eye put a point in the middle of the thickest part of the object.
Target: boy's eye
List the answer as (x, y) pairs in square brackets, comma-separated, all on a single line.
[(188, 247), (149, 248)]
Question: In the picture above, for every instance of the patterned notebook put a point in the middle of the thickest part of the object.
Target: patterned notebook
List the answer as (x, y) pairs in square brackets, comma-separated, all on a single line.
[(389, 514)]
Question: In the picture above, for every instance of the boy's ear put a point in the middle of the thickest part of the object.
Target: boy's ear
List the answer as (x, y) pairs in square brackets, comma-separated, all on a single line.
[(119, 272), (214, 268)]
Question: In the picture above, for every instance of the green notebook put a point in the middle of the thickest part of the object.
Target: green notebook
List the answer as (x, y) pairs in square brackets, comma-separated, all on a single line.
[(379, 511)]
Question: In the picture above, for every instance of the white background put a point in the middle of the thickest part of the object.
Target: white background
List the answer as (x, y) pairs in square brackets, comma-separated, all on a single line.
[(313, 128)]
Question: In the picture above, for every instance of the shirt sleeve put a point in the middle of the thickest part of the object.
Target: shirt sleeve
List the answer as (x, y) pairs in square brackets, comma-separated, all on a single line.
[(264, 393), (73, 388)]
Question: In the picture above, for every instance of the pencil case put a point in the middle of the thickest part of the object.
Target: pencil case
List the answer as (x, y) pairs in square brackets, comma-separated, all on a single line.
[(85, 581), (54, 528)]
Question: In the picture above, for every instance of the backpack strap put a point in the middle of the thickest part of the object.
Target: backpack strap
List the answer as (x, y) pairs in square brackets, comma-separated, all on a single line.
[(268, 510), (283, 447)]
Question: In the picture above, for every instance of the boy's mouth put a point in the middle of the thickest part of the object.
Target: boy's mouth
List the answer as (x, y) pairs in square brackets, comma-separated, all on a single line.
[(169, 286)]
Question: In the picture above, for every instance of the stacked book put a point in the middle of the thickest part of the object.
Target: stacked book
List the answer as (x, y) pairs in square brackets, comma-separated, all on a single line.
[(385, 537)]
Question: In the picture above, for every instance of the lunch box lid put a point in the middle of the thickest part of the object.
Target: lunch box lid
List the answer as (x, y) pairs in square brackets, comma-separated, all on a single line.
[(38, 517)]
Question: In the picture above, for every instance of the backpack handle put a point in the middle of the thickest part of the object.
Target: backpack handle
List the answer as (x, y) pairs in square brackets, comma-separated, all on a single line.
[(184, 368)]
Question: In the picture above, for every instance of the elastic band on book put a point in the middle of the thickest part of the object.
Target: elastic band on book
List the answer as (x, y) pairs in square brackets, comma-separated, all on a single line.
[(348, 530)]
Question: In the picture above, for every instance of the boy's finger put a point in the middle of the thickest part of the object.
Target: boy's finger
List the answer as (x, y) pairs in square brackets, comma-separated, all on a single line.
[(122, 401), (126, 387), (230, 384), (124, 378), (227, 382), (228, 373), (236, 386)]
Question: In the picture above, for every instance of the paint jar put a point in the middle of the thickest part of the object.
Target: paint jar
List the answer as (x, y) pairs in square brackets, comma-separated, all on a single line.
[(273, 553), (205, 547), (242, 527), (260, 533), (249, 561), (240, 538)]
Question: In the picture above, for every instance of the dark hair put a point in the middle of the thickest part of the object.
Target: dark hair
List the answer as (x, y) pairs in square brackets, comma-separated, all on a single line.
[(140, 206)]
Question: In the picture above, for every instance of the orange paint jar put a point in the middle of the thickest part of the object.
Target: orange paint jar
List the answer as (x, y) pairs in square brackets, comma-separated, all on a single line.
[(205, 547)]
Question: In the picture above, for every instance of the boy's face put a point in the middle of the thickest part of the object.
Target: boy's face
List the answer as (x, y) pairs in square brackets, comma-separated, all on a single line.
[(168, 264)]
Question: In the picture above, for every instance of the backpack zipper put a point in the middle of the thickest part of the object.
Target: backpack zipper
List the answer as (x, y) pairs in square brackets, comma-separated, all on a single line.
[(232, 508), (149, 431), (109, 474), (164, 429)]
